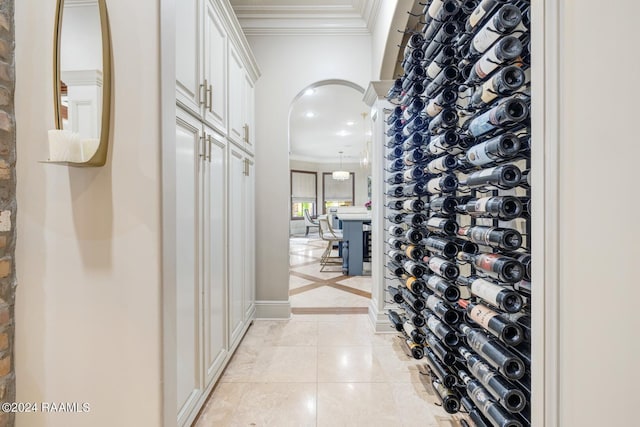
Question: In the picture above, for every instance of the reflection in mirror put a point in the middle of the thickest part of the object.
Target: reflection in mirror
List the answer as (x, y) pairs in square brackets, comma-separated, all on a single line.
[(82, 81)]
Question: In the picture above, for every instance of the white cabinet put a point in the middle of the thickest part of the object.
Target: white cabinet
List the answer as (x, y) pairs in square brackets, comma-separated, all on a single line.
[(188, 280), (201, 61), (213, 188)]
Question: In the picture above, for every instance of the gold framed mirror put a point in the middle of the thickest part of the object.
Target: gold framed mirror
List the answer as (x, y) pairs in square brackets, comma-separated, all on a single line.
[(82, 84)]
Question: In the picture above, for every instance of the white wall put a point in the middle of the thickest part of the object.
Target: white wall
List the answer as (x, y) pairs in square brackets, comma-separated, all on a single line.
[(88, 255), (598, 240), (288, 65)]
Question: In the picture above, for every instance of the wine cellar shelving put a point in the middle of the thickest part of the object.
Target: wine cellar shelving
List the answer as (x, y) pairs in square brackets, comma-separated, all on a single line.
[(457, 205)]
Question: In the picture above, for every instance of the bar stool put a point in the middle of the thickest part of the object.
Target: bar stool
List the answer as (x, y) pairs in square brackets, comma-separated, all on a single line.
[(331, 237)]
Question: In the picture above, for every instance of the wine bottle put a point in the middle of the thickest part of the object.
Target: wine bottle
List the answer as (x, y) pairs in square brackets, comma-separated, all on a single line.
[(444, 289), (414, 235), (445, 57), (394, 90), (395, 191), (396, 320), (447, 119), (416, 139), (442, 267), (397, 218), (445, 99), (494, 353), (444, 143), (442, 247), (503, 177), (416, 349), (475, 415), (450, 400), (395, 127), (505, 208), (505, 113), (504, 50), (443, 184), (396, 231), (414, 205), (492, 410), (502, 238), (411, 59), (414, 156), (505, 146), (395, 178), (412, 300), (503, 298), (395, 294), (442, 164), (500, 327), (444, 226), (447, 357), (497, 266), (438, 12), (395, 268), (417, 74), (416, 318), (414, 269), (416, 124), (395, 153), (480, 14), (467, 246), (415, 219), (414, 107), (445, 205), (501, 23), (525, 260), (415, 285), (395, 204), (415, 41), (523, 320), (439, 370), (394, 243), (448, 315), (505, 81), (441, 330), (523, 286), (395, 114), (444, 35), (416, 90), (446, 77), (414, 173), (395, 166), (511, 398), (395, 139), (418, 188), (412, 332), (396, 255)]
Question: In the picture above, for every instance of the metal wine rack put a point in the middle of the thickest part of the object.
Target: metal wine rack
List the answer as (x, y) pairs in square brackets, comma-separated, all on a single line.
[(458, 268)]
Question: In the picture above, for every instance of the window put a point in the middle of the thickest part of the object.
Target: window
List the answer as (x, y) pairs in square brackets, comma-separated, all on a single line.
[(304, 195), (337, 193)]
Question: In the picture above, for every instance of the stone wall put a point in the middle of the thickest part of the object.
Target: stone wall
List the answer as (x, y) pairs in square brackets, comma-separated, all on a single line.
[(7, 207)]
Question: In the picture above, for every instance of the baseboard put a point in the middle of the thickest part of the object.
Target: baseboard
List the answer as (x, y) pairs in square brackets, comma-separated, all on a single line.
[(273, 310), (379, 320)]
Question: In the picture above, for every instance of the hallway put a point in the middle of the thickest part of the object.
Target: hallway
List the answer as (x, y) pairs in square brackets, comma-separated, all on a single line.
[(322, 370)]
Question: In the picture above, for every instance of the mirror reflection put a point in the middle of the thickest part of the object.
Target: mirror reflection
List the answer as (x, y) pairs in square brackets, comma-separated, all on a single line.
[(81, 77)]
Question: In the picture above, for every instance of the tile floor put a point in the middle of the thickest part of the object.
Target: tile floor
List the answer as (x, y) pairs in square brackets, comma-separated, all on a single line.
[(322, 369)]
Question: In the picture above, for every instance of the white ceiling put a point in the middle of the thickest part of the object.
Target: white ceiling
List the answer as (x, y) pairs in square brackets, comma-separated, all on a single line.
[(321, 137), (260, 17)]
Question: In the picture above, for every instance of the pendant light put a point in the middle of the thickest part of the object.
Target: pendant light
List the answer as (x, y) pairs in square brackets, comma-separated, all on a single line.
[(340, 175)]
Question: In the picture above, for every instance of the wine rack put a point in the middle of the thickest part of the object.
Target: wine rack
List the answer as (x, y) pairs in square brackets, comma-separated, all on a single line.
[(457, 205)]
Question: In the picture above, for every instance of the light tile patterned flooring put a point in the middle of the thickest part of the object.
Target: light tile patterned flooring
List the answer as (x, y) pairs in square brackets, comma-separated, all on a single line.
[(322, 369)]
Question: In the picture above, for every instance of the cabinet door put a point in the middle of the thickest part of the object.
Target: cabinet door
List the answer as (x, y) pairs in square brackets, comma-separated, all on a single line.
[(248, 111), (188, 55), (249, 241), (236, 96), (189, 362), (236, 243), (214, 259), (215, 69)]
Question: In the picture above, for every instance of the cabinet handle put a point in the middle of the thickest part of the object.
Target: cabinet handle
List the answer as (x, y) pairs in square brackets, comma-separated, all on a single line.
[(203, 90), (210, 139), (246, 133), (203, 152), (210, 90)]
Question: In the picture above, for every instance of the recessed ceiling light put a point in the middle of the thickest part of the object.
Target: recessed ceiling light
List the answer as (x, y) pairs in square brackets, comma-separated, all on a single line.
[(310, 114), (343, 133), (309, 91), (350, 123)]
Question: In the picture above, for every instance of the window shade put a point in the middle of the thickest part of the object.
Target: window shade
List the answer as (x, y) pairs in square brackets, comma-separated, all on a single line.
[(338, 190), (303, 187)]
